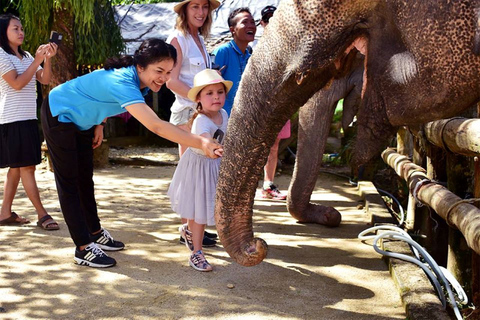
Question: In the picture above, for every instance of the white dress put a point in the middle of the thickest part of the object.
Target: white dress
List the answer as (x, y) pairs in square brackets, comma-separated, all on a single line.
[(193, 186)]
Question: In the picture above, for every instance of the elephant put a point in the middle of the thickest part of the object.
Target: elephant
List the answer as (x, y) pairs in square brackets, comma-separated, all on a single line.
[(421, 64)]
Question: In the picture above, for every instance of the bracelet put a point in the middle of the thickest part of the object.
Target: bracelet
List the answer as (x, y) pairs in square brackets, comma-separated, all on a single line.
[(103, 124)]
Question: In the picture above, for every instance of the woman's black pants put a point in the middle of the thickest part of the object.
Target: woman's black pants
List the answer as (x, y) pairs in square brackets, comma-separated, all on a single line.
[(71, 154)]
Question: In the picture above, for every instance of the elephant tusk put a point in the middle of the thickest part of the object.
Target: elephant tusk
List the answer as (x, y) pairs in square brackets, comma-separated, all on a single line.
[(300, 76)]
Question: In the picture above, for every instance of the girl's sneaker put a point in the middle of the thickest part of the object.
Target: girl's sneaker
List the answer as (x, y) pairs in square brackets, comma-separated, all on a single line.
[(198, 262), (187, 235)]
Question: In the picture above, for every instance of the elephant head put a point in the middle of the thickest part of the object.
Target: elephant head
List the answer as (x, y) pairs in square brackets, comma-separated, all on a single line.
[(421, 64)]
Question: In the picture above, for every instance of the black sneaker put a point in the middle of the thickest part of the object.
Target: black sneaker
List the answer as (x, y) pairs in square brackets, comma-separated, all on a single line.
[(207, 242), (210, 235), (105, 241), (94, 257)]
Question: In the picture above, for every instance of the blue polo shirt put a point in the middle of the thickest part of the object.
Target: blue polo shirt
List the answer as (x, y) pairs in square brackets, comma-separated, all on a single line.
[(229, 55), (89, 99)]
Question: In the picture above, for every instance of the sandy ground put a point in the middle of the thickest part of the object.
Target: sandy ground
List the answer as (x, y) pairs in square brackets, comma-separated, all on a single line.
[(311, 272)]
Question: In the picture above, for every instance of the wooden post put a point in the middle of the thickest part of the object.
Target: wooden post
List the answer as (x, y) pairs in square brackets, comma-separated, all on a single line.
[(435, 227), (404, 142), (412, 212), (459, 254), (155, 102), (475, 257)]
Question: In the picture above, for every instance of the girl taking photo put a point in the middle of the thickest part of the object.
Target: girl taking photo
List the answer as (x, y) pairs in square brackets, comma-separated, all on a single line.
[(19, 136)]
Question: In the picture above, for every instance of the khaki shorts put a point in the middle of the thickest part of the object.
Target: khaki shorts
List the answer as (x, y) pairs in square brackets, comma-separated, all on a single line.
[(182, 117)]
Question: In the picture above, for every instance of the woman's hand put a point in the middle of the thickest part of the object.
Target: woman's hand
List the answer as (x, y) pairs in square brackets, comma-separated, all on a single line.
[(51, 50), (211, 148), (41, 53), (97, 136)]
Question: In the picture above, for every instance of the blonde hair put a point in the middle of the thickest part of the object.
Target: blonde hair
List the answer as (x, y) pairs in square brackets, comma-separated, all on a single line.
[(182, 23)]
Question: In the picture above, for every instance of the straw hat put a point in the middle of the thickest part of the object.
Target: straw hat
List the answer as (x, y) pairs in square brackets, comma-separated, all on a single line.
[(205, 78), (214, 4)]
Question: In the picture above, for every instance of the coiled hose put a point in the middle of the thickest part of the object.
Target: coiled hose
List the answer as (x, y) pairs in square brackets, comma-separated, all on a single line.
[(439, 276)]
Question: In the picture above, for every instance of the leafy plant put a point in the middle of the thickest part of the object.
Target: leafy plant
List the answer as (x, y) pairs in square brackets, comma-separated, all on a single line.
[(90, 23)]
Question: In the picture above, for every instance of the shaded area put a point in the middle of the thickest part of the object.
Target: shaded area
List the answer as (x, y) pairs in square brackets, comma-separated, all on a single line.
[(311, 272)]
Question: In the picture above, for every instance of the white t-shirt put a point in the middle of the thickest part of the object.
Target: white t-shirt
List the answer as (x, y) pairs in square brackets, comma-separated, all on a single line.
[(203, 124), (17, 105), (192, 63)]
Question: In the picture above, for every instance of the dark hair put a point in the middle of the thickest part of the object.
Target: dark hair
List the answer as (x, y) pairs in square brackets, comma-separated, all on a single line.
[(150, 51), (4, 22), (233, 14), (267, 13)]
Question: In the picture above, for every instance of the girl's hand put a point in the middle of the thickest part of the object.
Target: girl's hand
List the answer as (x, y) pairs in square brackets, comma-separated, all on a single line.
[(211, 148), (97, 136), (51, 50), (219, 152)]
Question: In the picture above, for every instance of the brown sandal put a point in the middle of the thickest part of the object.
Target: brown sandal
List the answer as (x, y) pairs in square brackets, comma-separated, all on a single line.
[(14, 219), (47, 223)]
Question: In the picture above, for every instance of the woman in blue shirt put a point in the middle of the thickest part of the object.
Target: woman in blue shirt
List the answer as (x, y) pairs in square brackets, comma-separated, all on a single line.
[(73, 117)]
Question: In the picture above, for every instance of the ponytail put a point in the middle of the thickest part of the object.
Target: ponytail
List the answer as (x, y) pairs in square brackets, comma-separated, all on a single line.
[(118, 62), (198, 110), (150, 51)]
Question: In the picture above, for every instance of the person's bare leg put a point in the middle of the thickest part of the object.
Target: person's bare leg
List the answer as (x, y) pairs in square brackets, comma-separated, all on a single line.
[(197, 234), (27, 175), (181, 151), (10, 189), (271, 166)]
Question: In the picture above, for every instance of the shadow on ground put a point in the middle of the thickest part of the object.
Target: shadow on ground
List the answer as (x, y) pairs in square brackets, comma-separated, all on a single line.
[(311, 272)]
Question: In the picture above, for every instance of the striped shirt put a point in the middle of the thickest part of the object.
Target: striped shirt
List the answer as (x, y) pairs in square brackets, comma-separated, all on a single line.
[(17, 105)]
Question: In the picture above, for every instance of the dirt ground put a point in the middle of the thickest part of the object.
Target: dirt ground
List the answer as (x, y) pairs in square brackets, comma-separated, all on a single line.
[(311, 272)]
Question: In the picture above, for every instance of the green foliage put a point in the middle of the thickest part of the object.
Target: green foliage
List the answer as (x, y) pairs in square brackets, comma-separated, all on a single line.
[(123, 2), (96, 35), (8, 6), (337, 116)]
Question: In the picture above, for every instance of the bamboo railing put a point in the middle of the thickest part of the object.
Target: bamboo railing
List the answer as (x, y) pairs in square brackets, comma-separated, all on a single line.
[(464, 216), (457, 135)]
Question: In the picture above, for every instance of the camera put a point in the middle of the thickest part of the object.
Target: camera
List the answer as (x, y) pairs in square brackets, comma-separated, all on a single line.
[(55, 37)]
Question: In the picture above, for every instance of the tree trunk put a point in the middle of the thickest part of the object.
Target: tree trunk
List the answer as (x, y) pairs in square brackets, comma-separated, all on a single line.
[(64, 65)]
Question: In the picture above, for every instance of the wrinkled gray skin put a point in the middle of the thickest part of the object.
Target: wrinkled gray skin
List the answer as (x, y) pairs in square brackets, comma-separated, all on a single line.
[(422, 64), (313, 129)]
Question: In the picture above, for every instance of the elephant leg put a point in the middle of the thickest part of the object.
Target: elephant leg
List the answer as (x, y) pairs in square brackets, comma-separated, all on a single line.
[(314, 125)]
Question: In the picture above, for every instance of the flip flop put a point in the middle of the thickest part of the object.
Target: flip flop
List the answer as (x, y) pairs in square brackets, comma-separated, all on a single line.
[(47, 223), (13, 220)]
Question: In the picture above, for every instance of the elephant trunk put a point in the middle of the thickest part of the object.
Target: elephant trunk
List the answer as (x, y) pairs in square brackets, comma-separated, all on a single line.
[(240, 170), (276, 82)]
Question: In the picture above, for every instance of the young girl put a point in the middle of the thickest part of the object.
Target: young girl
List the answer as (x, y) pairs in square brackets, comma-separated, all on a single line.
[(19, 138), (73, 117), (194, 19), (192, 190)]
